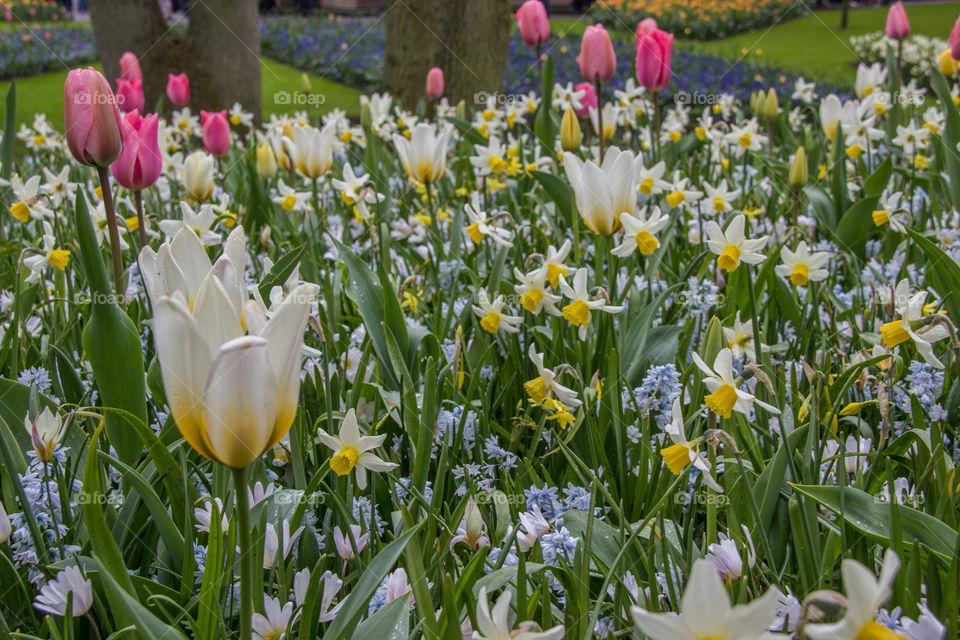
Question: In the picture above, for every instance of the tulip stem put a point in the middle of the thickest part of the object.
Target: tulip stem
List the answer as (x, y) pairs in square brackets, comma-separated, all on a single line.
[(600, 116), (119, 289), (246, 550), (138, 198)]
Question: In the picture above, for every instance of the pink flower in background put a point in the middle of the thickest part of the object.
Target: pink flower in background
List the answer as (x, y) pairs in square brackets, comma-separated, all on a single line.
[(589, 99), (598, 62), (654, 51), (141, 162), (435, 82), (216, 132), (898, 27), (91, 118), (130, 67), (130, 94), (533, 22), (178, 89), (647, 25)]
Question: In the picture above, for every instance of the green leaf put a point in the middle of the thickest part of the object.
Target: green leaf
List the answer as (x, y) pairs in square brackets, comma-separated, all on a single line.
[(392, 621), (111, 343), (605, 541), (280, 271), (638, 334), (877, 181), (505, 575), (356, 603), (466, 130), (558, 190), (127, 607), (871, 517), (942, 272), (9, 133), (951, 134), (101, 538), (856, 226)]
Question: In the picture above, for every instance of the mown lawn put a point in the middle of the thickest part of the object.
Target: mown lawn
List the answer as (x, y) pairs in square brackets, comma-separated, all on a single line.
[(813, 44), (45, 93)]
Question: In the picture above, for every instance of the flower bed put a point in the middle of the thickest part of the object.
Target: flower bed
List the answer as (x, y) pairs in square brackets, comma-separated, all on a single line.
[(21, 11), (25, 52), (698, 19), (919, 53)]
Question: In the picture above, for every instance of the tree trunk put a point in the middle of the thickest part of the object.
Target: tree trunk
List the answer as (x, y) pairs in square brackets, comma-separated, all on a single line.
[(220, 52), (466, 38), (844, 13)]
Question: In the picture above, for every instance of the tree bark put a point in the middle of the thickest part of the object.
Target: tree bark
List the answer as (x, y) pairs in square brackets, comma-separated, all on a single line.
[(220, 52), (466, 38)]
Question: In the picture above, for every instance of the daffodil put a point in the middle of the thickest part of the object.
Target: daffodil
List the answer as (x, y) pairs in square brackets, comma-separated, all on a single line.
[(604, 192), (49, 254), (684, 452), (490, 159), (495, 625), (424, 156), (680, 194), (534, 293), (732, 246), (638, 232), (725, 395), (291, 199), (719, 199), (865, 594), (891, 211), (492, 317), (706, 614), (741, 340), (353, 452), (578, 311), (801, 266), (28, 204), (481, 227), (545, 384), (650, 179), (914, 325), (354, 189), (554, 263), (199, 222)]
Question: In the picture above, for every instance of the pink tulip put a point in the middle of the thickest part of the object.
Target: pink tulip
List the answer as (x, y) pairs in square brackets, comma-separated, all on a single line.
[(91, 118), (130, 67), (130, 94), (533, 22), (178, 89), (647, 25), (141, 162), (589, 99), (653, 59), (955, 40), (435, 82), (898, 27), (216, 132), (598, 62)]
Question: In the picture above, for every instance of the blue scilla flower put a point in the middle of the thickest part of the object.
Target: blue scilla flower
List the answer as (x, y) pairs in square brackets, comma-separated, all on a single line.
[(558, 544), (545, 498), (36, 377)]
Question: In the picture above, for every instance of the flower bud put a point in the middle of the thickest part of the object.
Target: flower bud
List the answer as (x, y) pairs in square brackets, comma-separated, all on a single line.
[(948, 66), (266, 161), (570, 135), (91, 117), (798, 169)]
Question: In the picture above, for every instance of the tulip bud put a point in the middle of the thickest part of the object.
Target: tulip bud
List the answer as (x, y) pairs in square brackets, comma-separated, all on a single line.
[(898, 27), (948, 65), (533, 22), (713, 340), (955, 40), (91, 118), (798, 169), (366, 117), (589, 99), (216, 132), (178, 89), (266, 161), (435, 82), (598, 62), (771, 107), (755, 102), (654, 54), (570, 135), (130, 67), (141, 162), (462, 110), (305, 85)]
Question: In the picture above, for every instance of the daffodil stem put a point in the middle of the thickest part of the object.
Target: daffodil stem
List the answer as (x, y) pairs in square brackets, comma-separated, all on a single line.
[(246, 550), (104, 175), (600, 116), (761, 530)]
